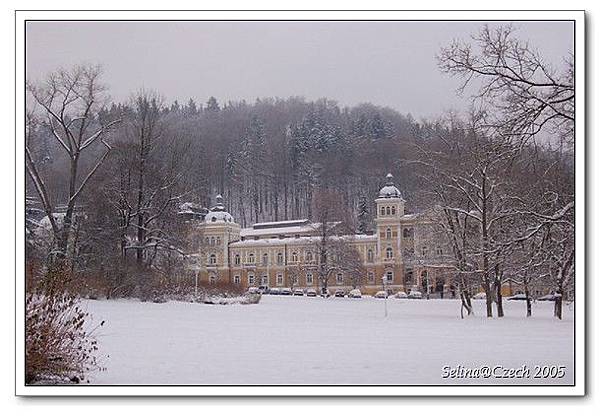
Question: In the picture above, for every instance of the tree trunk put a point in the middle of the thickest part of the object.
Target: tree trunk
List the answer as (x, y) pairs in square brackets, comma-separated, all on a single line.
[(528, 300)]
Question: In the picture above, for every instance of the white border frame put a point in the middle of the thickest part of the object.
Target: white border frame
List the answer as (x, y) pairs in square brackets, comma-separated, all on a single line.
[(82, 390)]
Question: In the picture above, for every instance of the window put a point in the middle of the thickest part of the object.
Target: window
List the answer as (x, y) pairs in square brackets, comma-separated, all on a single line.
[(387, 210), (389, 253), (265, 280), (212, 259), (212, 278), (339, 279), (251, 258), (382, 210), (236, 279), (309, 256), (394, 210), (388, 234), (371, 277), (370, 256), (250, 279), (294, 257), (438, 251), (237, 259), (214, 219), (279, 258), (218, 240), (424, 251), (389, 276), (265, 259), (407, 233), (212, 241), (408, 277), (207, 240), (309, 278), (279, 279)]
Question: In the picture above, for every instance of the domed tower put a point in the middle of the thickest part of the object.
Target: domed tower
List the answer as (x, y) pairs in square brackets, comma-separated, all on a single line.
[(390, 210), (217, 231)]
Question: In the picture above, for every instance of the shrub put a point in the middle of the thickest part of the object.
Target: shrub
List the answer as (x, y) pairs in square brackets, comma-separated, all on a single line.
[(58, 346)]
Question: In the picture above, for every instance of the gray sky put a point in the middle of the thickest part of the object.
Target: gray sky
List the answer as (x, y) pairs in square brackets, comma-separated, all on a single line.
[(385, 63)]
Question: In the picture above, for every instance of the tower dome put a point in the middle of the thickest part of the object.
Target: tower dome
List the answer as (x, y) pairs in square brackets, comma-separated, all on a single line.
[(218, 213), (389, 190)]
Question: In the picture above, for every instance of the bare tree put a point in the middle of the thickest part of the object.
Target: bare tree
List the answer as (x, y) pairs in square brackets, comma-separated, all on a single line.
[(68, 104), (524, 94)]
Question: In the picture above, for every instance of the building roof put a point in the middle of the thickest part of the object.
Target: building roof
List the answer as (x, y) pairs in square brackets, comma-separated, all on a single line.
[(389, 190)]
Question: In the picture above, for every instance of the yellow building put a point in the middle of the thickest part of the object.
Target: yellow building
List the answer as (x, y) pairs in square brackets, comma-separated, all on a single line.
[(401, 251)]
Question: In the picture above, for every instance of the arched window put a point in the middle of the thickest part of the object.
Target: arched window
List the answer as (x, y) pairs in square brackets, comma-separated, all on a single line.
[(294, 257), (382, 210), (388, 234), (394, 210), (251, 258), (212, 259), (309, 256), (214, 219), (237, 259), (387, 210), (265, 259), (279, 258), (424, 251), (212, 278), (389, 253), (309, 278), (370, 256)]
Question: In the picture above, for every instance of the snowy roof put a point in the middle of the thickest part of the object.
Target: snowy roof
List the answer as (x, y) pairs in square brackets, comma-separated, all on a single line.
[(290, 230), (300, 240), (389, 190), (279, 224)]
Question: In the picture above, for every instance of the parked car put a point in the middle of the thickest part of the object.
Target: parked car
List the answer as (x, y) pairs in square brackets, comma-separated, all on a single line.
[(354, 294), (480, 295), (401, 295), (381, 295), (549, 298), (285, 291), (340, 293), (274, 291), (263, 289), (311, 293), (325, 293), (298, 292), (519, 296), (415, 294), (253, 290)]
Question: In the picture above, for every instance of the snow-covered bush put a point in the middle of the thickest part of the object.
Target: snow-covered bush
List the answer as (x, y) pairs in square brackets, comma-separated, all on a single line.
[(59, 347)]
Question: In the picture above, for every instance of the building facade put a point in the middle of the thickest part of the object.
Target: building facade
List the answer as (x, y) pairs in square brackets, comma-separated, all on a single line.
[(402, 253)]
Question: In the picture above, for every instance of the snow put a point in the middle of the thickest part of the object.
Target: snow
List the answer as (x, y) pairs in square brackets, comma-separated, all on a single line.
[(300, 340)]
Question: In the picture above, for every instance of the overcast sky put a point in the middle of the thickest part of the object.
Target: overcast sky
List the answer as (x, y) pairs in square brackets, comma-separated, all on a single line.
[(385, 63)]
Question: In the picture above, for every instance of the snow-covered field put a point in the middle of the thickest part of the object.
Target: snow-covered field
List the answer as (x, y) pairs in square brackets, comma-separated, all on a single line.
[(299, 340)]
